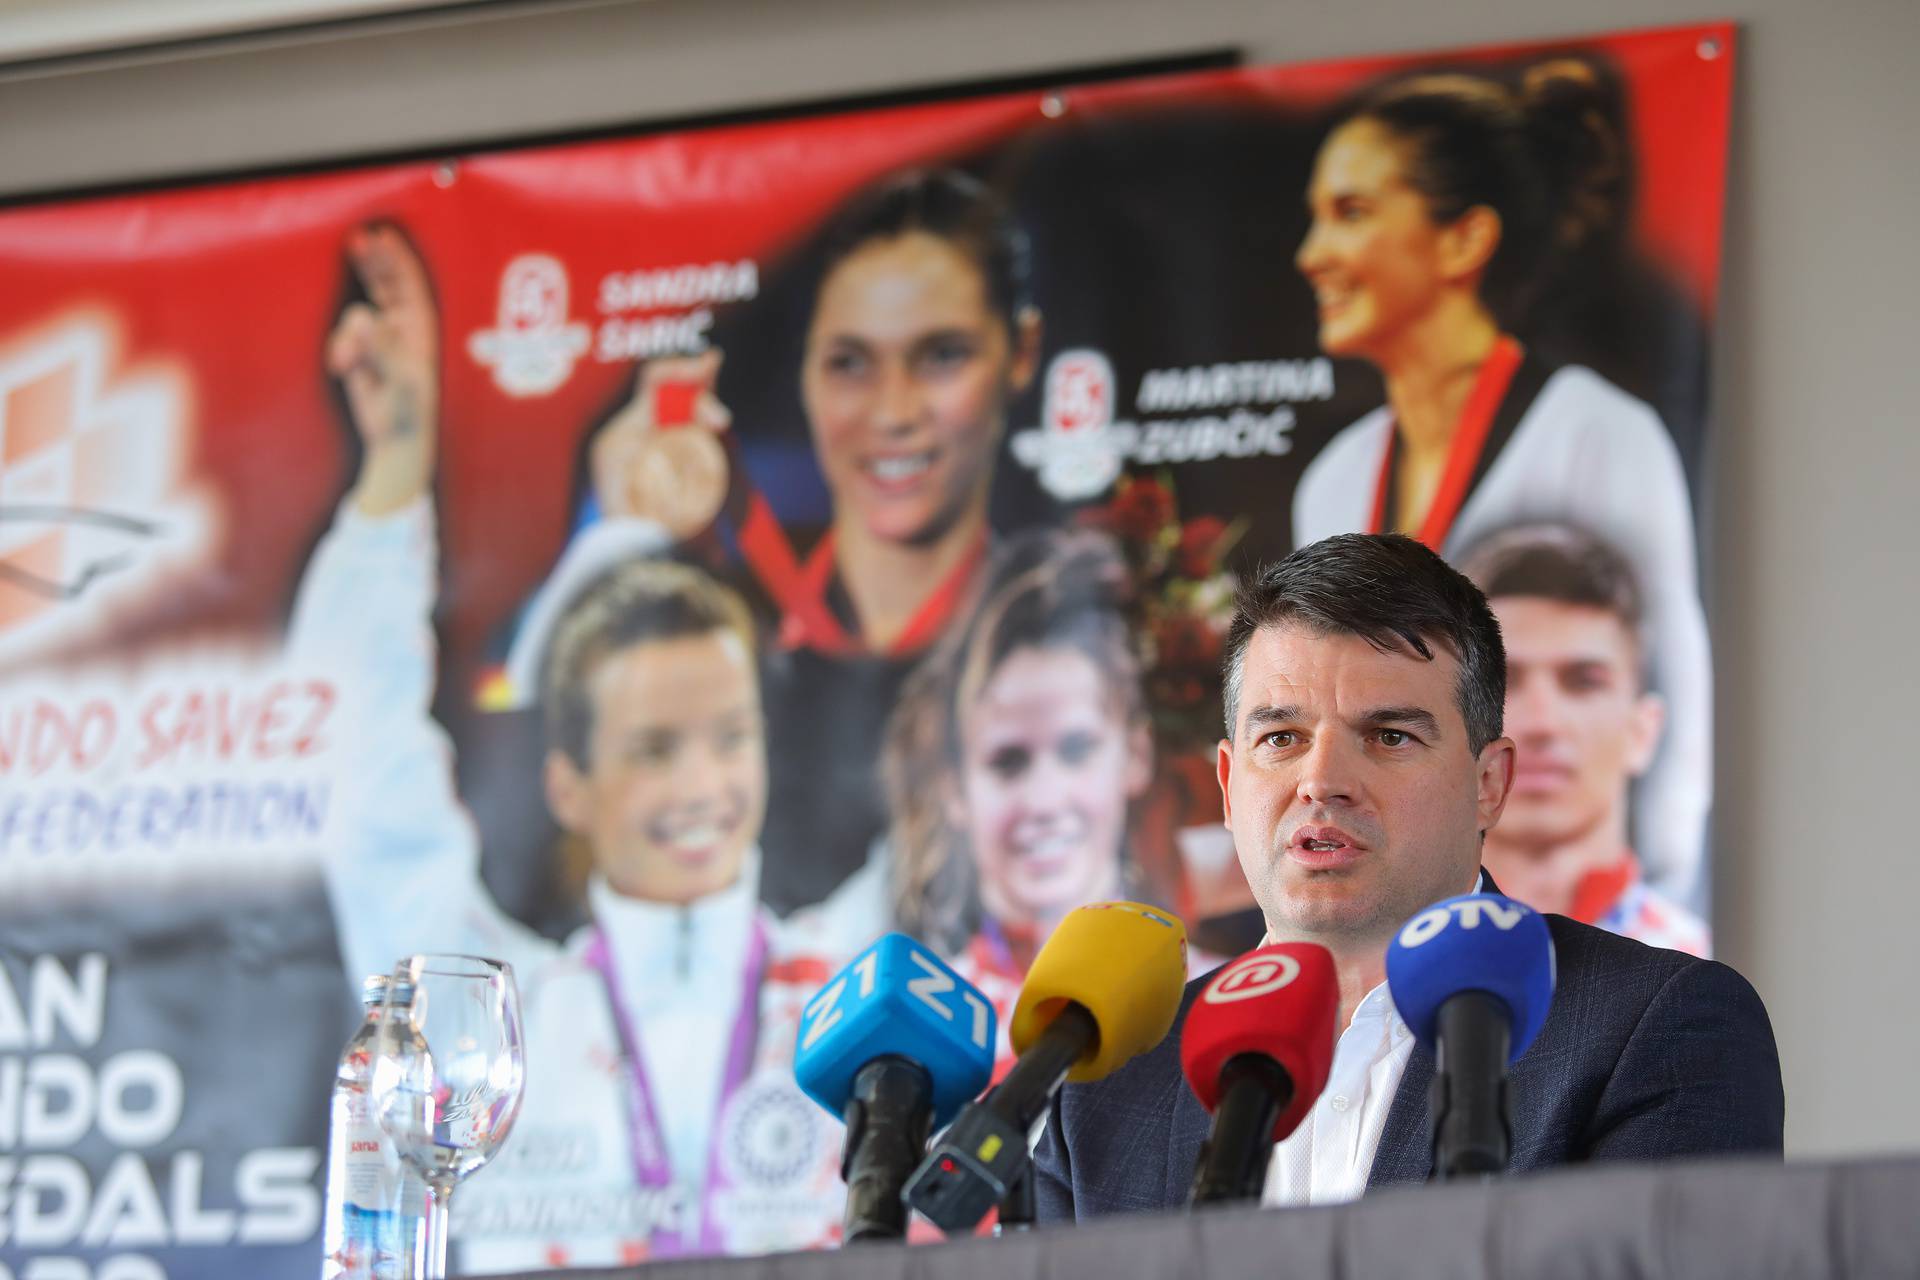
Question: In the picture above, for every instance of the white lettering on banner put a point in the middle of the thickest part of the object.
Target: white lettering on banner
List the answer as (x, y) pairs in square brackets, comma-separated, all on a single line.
[(1241, 434), (125, 1266), (51, 1101), (1222, 386), (56, 1103), (1070, 465), (126, 1208), (193, 1225), (1079, 448), (676, 335), (134, 1100), (129, 1267), (275, 1185), (140, 1073), (680, 286), (1428, 925), (638, 1211), (48, 1201), (75, 1002)]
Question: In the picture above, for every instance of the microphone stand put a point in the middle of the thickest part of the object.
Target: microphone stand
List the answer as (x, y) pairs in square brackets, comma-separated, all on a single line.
[(1472, 1137)]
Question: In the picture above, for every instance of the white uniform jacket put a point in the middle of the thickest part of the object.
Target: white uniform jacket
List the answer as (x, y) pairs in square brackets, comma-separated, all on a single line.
[(403, 877), (1588, 454)]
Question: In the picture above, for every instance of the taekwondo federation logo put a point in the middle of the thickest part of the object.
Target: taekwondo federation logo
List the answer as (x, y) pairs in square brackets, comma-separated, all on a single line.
[(769, 1140), (533, 348), (1073, 451), (93, 500), (1255, 976)]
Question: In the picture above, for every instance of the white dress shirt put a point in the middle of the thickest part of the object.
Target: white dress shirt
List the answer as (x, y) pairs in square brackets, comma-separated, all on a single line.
[(1327, 1159)]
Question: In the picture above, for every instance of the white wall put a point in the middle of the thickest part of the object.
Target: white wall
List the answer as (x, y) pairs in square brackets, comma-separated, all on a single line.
[(1814, 594)]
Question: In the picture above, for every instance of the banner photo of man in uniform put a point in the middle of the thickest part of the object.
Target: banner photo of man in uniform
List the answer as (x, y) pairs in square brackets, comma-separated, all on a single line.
[(667, 563)]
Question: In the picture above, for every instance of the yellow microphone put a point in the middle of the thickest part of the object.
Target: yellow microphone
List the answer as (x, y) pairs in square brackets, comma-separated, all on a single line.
[(1104, 989)]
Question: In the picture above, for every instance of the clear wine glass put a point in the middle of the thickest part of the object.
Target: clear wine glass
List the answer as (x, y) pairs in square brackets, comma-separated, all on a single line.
[(447, 1074)]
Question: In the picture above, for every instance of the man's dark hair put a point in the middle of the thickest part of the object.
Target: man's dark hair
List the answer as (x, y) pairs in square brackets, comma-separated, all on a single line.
[(1395, 594), (1561, 563)]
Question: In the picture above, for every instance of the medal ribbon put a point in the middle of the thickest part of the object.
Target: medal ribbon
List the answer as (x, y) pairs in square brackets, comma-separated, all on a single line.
[(651, 1165), (1463, 454), (801, 591)]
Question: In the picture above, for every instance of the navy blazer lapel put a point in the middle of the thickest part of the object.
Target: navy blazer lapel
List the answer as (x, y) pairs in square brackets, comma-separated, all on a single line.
[(1406, 1143), (1187, 1126)]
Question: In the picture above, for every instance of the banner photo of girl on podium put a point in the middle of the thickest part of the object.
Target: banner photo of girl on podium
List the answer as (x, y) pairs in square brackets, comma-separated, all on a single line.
[(667, 562)]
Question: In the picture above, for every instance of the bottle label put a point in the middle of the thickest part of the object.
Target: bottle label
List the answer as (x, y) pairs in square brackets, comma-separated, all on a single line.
[(382, 1203), (372, 1168), (376, 1204)]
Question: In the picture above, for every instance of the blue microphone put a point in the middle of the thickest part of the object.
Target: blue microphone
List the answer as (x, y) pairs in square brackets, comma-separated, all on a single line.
[(895, 1045), (1472, 978)]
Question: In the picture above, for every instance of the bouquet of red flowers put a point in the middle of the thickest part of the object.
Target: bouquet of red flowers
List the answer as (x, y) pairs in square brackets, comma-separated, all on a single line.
[(1183, 601)]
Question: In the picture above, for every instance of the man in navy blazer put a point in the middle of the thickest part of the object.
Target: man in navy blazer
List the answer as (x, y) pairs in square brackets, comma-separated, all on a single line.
[(1365, 682)]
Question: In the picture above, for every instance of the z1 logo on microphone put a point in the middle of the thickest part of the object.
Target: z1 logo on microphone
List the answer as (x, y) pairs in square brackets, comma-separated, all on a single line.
[(1430, 923), (1251, 978), (824, 1012)]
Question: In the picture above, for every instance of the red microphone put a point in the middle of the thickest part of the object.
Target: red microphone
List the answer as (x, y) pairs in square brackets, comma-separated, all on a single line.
[(1256, 1051)]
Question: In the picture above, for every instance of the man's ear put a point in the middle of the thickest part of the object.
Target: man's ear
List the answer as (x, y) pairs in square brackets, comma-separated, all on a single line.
[(566, 792), (1224, 769), (1495, 781)]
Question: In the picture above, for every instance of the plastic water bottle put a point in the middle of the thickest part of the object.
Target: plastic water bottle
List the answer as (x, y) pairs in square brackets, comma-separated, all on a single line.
[(376, 1204)]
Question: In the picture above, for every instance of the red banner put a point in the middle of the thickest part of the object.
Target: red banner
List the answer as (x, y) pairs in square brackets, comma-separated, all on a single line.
[(917, 451)]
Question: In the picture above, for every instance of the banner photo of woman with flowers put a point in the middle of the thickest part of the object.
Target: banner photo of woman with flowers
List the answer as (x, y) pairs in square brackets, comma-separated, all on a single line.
[(666, 563)]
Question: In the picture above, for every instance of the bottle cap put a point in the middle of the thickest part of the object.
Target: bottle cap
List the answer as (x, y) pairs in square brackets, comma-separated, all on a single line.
[(373, 990)]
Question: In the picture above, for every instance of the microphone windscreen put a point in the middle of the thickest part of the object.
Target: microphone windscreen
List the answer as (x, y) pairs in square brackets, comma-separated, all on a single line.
[(1125, 963), (898, 998), (1279, 1001), (1477, 942)]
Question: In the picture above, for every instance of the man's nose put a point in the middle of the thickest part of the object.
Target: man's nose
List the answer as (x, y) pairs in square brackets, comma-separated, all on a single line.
[(1532, 713), (1329, 773)]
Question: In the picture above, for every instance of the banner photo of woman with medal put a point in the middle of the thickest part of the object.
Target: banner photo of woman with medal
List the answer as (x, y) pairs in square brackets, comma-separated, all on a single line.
[(1442, 206), (665, 563)]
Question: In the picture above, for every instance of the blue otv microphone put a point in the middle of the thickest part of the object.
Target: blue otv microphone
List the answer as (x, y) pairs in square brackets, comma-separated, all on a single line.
[(895, 1044), (1472, 977)]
